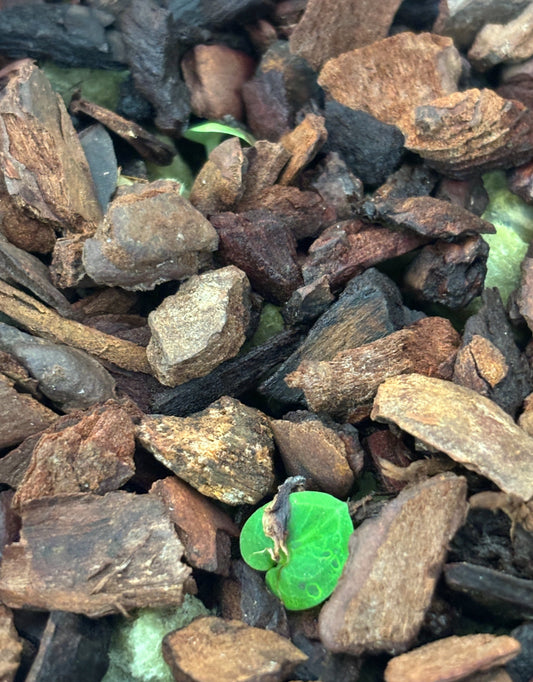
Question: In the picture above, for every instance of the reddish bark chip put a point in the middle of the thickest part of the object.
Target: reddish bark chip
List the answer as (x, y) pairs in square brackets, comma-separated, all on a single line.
[(92, 455), (203, 528), (392, 568), (452, 658), (20, 414), (211, 649), (214, 75)]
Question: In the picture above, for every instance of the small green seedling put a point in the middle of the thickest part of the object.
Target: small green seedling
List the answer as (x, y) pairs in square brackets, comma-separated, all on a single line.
[(305, 569), (211, 134)]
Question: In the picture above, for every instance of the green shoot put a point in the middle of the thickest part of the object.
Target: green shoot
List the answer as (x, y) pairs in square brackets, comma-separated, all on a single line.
[(318, 531)]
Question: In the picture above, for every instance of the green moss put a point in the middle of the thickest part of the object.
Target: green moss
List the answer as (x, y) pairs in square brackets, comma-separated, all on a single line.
[(97, 85), (270, 324), (513, 220), (135, 653)]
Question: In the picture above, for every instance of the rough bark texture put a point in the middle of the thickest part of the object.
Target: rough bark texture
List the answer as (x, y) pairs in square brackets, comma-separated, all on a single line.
[(94, 555), (391, 572), (469, 428)]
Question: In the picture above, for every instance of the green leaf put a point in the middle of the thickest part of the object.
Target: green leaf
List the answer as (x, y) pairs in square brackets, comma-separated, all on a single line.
[(210, 134), (319, 528)]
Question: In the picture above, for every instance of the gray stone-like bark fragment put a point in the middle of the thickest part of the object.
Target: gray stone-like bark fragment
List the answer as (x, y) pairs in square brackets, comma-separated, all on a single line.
[(69, 377), (225, 451), (200, 326), (149, 235)]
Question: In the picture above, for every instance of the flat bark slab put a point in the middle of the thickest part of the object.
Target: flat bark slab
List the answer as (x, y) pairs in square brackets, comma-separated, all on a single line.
[(452, 658), (212, 649), (94, 555), (468, 427), (392, 76), (393, 564), (346, 249), (225, 451), (352, 377), (369, 307), (430, 217), (44, 167)]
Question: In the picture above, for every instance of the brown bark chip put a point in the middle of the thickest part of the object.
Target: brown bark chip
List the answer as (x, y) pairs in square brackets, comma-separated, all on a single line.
[(211, 649), (392, 568), (149, 235), (94, 455), (466, 426), (303, 143), (390, 77), (203, 528), (225, 451), (94, 555), (214, 75), (452, 658), (10, 646), (468, 133), (352, 377), (311, 449), (329, 28), (44, 168), (20, 414)]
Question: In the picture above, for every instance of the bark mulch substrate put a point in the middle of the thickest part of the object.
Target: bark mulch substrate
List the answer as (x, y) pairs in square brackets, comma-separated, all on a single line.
[(310, 304)]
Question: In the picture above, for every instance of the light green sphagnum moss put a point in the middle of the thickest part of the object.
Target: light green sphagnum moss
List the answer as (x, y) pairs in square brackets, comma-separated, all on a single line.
[(513, 220), (135, 653)]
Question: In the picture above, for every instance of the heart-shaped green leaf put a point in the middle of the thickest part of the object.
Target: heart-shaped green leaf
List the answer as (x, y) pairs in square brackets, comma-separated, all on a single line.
[(318, 531)]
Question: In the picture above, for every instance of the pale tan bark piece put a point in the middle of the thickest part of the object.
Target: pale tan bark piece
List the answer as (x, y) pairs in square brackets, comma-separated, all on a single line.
[(393, 565), (509, 43), (392, 76), (452, 658), (224, 451), (212, 649), (468, 427)]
